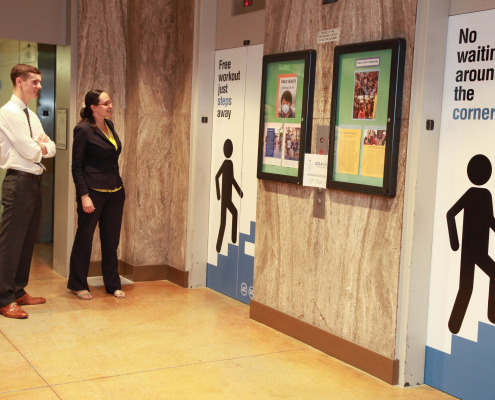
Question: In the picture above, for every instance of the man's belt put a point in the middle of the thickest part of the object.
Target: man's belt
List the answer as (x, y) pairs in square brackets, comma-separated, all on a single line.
[(23, 173)]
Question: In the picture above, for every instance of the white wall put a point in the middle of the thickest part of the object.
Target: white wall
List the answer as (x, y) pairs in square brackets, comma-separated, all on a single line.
[(233, 30), (42, 21), (200, 144), (63, 218), (51, 22), (469, 6), (421, 177)]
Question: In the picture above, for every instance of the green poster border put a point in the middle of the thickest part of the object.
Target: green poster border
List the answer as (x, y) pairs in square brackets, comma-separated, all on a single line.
[(388, 110), (303, 64), (345, 101), (273, 70)]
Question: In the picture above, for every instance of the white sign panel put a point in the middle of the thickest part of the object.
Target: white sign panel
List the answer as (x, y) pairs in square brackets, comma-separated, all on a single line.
[(464, 186), (234, 184), (250, 143), (227, 144), (330, 35), (315, 170)]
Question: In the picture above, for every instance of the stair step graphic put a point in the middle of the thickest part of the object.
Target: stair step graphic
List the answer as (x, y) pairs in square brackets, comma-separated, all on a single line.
[(233, 274), (468, 372)]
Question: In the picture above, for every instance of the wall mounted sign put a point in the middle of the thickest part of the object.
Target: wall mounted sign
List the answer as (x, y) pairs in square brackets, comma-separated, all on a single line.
[(315, 170), (365, 119), (233, 182), (61, 126), (330, 35), (286, 115), (460, 341)]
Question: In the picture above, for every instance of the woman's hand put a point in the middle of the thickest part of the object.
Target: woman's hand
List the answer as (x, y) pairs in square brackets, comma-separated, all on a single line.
[(87, 204)]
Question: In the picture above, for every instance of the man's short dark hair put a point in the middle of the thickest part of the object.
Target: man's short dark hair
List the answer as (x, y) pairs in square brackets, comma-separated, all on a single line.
[(287, 96), (22, 71)]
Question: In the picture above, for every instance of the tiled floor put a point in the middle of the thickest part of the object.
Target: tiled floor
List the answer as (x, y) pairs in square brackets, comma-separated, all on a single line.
[(164, 342)]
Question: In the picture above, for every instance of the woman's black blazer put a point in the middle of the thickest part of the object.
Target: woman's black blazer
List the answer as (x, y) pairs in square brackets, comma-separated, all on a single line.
[(95, 160)]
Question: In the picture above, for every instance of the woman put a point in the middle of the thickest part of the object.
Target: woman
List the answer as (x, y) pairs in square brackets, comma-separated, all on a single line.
[(100, 194)]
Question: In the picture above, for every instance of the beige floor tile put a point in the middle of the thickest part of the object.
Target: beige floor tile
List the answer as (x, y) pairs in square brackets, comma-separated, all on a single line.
[(42, 263), (31, 394), (15, 371), (164, 342), (159, 325), (298, 374)]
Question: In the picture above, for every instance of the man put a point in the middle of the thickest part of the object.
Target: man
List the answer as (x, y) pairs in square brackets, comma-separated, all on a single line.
[(22, 145)]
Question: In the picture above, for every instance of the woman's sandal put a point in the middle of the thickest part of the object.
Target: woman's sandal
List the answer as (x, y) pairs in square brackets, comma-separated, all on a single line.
[(120, 294), (84, 295)]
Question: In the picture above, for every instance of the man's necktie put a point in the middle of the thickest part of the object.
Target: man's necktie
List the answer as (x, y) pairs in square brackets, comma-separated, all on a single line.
[(26, 111)]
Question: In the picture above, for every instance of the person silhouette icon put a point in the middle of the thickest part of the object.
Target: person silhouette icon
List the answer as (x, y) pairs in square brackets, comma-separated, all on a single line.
[(228, 180), (478, 220)]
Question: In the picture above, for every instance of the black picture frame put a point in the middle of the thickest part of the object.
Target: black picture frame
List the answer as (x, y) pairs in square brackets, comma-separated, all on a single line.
[(294, 63), (376, 64)]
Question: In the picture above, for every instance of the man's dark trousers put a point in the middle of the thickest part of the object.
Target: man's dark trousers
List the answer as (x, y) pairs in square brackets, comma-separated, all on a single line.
[(21, 200)]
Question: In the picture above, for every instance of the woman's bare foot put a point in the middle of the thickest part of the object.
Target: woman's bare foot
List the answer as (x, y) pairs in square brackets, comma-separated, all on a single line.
[(84, 295)]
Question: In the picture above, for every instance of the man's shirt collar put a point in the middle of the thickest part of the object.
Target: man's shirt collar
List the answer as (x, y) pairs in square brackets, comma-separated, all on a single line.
[(18, 102)]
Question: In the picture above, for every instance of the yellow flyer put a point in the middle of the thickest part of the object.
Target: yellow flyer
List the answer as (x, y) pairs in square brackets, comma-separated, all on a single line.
[(349, 151)]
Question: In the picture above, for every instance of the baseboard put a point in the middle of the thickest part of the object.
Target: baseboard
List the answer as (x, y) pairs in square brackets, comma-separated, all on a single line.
[(375, 364), (143, 273)]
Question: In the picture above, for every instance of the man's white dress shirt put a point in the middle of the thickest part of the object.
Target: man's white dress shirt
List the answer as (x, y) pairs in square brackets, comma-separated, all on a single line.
[(18, 148)]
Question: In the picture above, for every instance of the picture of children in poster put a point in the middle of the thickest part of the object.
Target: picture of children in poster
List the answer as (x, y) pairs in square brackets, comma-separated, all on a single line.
[(286, 96), (292, 142), (373, 155), (272, 144), (365, 94), (375, 137)]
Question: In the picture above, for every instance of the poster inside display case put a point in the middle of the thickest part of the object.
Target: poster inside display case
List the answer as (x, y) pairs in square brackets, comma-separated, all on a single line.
[(286, 115), (365, 119)]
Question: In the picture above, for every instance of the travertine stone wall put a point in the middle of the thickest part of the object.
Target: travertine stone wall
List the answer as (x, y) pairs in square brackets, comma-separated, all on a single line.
[(102, 36), (339, 274), (159, 87), (140, 51)]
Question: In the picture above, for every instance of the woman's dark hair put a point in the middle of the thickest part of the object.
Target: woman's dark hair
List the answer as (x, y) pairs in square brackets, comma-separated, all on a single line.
[(287, 96), (92, 99)]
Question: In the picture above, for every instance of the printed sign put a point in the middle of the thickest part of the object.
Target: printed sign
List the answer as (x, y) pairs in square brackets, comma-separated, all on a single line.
[(460, 353), (330, 35), (233, 182), (315, 170)]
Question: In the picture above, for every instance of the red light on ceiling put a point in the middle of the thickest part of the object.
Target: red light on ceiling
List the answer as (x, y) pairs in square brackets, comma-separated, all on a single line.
[(248, 3)]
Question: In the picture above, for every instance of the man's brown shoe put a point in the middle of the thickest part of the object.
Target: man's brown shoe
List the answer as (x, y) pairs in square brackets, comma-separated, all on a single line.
[(13, 311), (27, 300)]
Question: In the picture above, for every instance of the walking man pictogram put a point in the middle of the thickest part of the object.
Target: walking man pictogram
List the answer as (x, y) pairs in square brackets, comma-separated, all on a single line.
[(478, 220), (228, 180)]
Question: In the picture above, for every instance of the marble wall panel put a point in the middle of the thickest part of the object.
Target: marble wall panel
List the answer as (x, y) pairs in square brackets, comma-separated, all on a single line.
[(145, 63), (102, 49), (159, 60), (149, 193), (102, 61), (181, 133), (126, 247), (341, 273)]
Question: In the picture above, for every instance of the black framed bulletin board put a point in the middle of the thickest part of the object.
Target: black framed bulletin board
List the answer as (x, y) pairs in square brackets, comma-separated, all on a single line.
[(365, 118), (286, 115)]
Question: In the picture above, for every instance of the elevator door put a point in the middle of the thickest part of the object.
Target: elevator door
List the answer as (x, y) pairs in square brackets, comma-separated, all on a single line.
[(233, 182), (460, 344), (46, 114)]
